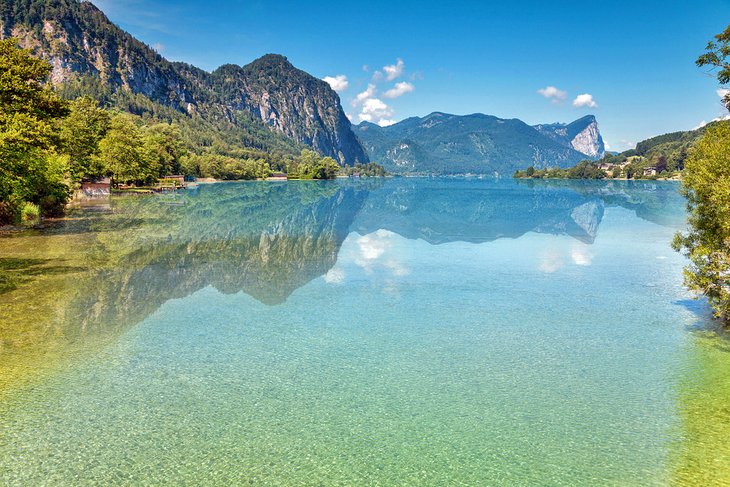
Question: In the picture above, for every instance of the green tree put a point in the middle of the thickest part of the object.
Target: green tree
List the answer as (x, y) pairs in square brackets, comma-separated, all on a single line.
[(309, 165), (122, 151), (30, 170), (165, 147), (716, 56), (81, 133), (706, 184)]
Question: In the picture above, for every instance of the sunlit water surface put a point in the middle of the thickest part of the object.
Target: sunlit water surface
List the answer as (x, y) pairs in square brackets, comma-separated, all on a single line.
[(399, 332)]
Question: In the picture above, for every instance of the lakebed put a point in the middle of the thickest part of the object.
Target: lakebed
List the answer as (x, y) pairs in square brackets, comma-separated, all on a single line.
[(400, 331)]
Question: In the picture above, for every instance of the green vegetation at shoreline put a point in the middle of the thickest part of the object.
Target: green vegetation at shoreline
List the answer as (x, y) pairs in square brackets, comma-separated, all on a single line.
[(309, 165), (49, 145), (661, 157), (706, 184), (583, 170), (33, 169)]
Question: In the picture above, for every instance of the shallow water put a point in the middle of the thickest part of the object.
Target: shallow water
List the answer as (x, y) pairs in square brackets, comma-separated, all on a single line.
[(399, 332)]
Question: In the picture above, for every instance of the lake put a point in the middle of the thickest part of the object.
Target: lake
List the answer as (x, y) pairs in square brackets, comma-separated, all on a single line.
[(393, 332)]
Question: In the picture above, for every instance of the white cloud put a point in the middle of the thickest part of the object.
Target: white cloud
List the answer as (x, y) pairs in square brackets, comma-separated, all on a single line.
[(361, 97), (372, 109), (722, 92), (394, 71), (159, 47), (399, 89), (375, 110), (553, 94), (585, 100), (338, 83), (606, 145), (365, 68)]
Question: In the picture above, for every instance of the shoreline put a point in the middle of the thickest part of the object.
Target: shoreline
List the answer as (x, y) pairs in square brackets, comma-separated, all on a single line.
[(677, 179)]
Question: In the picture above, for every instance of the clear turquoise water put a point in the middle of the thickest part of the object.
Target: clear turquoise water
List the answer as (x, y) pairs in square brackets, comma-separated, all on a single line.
[(406, 332)]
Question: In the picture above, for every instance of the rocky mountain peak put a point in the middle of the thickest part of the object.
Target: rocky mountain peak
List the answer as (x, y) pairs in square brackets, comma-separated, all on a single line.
[(82, 43), (292, 102), (588, 139), (582, 135)]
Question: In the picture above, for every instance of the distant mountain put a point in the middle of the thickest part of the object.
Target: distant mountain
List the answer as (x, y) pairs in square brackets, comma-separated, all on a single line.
[(483, 144), (267, 104), (581, 135)]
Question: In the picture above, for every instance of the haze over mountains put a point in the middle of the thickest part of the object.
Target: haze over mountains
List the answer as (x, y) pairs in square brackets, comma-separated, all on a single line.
[(272, 107)]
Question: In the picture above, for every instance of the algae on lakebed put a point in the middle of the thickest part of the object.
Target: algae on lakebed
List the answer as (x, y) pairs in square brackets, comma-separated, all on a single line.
[(702, 456), (68, 288), (41, 274)]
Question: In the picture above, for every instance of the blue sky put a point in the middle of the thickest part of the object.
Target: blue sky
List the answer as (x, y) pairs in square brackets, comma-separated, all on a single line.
[(632, 61)]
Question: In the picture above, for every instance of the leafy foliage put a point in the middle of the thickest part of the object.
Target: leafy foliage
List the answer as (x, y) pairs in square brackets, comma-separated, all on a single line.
[(583, 170), (369, 170), (707, 244), (224, 167), (81, 133), (30, 169), (706, 185), (309, 165), (717, 57)]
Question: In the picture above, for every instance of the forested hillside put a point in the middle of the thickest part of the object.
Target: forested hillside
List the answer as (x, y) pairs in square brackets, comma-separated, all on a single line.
[(267, 109)]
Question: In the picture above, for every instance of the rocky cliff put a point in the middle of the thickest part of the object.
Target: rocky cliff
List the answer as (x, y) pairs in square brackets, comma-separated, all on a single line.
[(582, 135), (83, 44), (292, 102)]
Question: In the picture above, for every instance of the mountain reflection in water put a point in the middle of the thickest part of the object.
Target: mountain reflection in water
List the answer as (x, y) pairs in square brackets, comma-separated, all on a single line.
[(439, 296), (268, 240), (108, 267)]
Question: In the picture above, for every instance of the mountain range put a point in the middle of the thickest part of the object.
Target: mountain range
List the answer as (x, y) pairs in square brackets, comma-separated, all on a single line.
[(441, 143), (271, 109), (91, 55)]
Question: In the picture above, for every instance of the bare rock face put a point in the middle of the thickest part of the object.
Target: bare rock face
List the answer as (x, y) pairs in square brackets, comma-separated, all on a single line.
[(589, 141), (292, 102), (82, 44), (582, 135), (80, 41)]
